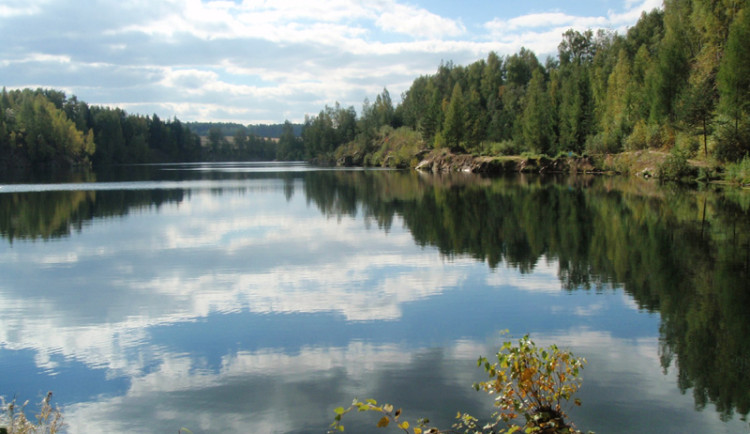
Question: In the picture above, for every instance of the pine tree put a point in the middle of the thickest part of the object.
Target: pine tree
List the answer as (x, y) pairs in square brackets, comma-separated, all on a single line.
[(734, 73), (455, 118), (536, 122), (734, 89)]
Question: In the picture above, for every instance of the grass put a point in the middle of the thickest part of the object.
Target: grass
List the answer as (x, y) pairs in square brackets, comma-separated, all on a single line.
[(739, 172), (13, 419)]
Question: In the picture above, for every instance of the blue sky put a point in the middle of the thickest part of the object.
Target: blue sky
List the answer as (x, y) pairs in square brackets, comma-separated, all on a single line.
[(253, 61)]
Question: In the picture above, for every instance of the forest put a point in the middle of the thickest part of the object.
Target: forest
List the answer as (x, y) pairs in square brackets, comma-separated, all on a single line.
[(45, 127), (231, 128), (679, 79)]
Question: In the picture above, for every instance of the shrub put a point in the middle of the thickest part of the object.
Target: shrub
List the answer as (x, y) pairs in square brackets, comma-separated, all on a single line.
[(646, 136), (739, 172), (639, 138), (529, 382), (675, 167), (506, 147), (732, 144), (598, 144)]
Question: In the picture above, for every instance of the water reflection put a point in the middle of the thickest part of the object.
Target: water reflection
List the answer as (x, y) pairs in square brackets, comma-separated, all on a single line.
[(241, 299)]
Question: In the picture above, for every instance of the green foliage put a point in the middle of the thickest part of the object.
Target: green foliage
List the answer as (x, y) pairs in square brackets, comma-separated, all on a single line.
[(734, 73), (455, 118), (684, 68), (598, 144), (14, 421), (395, 148), (389, 416), (675, 167), (43, 127), (290, 146), (537, 116), (739, 172), (530, 382), (687, 143), (526, 381), (732, 141), (643, 136), (506, 147)]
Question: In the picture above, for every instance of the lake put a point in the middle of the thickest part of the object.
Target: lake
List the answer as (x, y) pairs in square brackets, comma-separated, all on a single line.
[(257, 297)]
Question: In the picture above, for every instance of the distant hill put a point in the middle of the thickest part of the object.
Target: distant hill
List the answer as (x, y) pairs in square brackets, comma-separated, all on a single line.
[(230, 128)]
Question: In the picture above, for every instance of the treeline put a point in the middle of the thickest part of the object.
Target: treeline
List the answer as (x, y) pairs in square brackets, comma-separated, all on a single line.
[(231, 128), (44, 126), (35, 127), (244, 145), (678, 79)]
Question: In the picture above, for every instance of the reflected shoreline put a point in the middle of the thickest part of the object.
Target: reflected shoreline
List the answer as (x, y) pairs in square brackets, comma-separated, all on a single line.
[(681, 254)]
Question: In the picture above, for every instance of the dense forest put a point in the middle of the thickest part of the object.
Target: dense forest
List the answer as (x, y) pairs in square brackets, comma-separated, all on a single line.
[(45, 127), (679, 79)]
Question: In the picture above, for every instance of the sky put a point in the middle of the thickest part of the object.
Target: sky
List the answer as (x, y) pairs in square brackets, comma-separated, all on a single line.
[(262, 61)]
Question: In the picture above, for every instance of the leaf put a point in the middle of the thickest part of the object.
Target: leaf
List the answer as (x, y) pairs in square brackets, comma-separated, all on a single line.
[(371, 401), (339, 410), (383, 422), (404, 425), (417, 430)]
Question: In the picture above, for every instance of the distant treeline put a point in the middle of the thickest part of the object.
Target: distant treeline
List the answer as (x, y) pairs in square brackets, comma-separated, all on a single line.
[(243, 144), (679, 79), (45, 127), (231, 128)]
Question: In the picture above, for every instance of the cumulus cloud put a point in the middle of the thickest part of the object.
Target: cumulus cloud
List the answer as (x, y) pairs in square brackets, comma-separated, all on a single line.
[(542, 31), (254, 60), (417, 22)]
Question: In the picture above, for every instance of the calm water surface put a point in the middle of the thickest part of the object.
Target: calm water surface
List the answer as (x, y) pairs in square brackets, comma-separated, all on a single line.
[(259, 297)]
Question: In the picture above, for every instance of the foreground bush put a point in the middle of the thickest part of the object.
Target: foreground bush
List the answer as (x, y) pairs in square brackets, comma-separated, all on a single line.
[(531, 386), (14, 421)]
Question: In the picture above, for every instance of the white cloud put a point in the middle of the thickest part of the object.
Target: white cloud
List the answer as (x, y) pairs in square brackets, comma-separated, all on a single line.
[(417, 22), (14, 8), (544, 278), (332, 277), (542, 32), (268, 386), (256, 60)]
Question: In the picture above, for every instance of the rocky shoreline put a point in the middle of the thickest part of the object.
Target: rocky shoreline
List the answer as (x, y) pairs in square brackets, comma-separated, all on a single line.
[(645, 163), (438, 162)]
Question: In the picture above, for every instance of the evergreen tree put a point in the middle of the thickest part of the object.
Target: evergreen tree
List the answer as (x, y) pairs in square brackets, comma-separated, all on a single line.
[(290, 148), (455, 118), (536, 122), (734, 89), (617, 120), (432, 120)]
